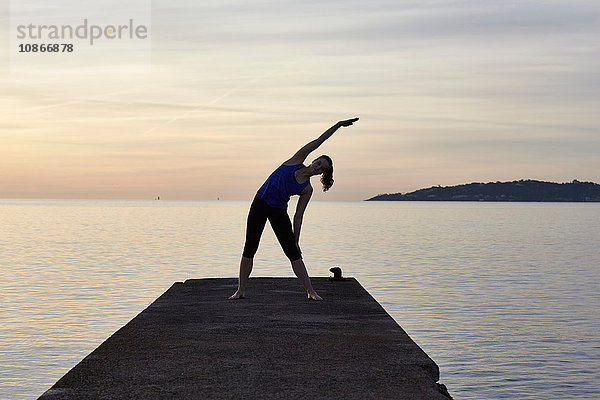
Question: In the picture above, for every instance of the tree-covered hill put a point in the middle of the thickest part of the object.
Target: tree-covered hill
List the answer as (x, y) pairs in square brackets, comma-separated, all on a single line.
[(522, 190)]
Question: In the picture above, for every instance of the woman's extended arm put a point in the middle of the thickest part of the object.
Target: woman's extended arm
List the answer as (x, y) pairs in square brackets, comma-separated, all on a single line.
[(308, 148)]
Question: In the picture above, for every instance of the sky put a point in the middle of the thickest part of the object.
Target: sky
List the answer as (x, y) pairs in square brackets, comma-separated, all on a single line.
[(448, 92)]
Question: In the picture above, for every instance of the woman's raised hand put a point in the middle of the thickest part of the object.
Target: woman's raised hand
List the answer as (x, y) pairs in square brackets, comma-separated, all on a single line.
[(348, 122)]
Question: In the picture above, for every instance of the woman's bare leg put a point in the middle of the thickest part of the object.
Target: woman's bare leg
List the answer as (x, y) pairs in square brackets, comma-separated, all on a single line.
[(245, 269), (300, 270)]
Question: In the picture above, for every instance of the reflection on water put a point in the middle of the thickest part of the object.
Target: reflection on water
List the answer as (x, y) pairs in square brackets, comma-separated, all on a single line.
[(503, 296)]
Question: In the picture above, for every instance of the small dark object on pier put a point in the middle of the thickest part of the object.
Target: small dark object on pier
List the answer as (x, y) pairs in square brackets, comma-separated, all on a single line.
[(444, 390), (337, 274)]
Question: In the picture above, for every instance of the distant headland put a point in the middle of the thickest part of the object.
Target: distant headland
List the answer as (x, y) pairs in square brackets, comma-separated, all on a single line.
[(522, 190)]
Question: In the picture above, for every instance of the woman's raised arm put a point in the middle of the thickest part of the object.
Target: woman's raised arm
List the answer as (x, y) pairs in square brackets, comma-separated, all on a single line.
[(308, 148)]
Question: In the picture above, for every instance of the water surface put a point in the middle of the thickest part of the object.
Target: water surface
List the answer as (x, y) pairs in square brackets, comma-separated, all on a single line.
[(503, 296)]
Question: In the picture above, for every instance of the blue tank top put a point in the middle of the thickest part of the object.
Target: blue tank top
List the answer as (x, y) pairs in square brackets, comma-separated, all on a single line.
[(280, 185)]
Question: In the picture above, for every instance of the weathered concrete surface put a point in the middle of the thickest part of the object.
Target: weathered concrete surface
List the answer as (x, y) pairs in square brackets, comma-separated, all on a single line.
[(193, 343)]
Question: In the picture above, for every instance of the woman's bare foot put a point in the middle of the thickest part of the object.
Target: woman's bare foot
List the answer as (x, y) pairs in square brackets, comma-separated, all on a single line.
[(314, 296), (237, 295)]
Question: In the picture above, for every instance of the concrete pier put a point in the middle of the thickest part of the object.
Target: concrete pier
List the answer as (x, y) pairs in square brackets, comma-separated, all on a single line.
[(193, 343)]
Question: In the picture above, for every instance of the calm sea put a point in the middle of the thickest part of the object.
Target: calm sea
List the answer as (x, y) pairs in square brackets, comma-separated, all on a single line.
[(503, 296)]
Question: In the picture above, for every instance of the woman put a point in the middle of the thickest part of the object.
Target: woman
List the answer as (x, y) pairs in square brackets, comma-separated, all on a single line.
[(291, 178)]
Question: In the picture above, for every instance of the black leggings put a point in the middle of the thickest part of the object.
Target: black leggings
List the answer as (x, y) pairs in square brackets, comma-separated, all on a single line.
[(260, 211)]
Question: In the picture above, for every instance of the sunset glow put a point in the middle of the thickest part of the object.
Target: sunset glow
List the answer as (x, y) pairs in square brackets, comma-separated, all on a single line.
[(448, 92)]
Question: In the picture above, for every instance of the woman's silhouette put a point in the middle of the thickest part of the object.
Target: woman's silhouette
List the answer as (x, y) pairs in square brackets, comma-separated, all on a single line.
[(291, 178)]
